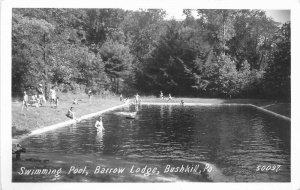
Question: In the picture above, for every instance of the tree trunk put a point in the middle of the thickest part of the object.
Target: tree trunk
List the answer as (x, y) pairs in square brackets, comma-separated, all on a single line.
[(117, 90), (45, 68)]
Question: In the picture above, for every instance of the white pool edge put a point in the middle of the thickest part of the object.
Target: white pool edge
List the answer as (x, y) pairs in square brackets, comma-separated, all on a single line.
[(270, 112)]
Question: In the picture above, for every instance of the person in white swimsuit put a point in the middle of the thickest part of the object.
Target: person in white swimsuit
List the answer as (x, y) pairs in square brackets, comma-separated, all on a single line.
[(99, 125)]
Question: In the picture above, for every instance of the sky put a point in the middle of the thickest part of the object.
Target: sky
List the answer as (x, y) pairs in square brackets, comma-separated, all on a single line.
[(281, 16)]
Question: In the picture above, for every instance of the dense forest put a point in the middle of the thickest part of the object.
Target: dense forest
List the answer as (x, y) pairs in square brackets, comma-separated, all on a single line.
[(217, 53)]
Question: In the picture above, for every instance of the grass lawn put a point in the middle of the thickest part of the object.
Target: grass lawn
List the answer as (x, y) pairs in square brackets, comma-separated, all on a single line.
[(34, 118)]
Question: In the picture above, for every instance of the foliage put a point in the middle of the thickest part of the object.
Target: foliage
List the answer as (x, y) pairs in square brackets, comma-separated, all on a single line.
[(277, 81), (220, 53)]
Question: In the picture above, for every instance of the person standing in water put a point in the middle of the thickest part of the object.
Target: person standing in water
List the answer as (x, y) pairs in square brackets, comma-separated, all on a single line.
[(99, 125)]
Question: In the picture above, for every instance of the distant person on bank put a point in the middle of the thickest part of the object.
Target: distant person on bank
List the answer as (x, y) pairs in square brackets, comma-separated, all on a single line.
[(137, 99), (161, 95), (170, 97), (56, 101), (182, 102), (52, 96), (90, 95), (25, 101), (41, 95)]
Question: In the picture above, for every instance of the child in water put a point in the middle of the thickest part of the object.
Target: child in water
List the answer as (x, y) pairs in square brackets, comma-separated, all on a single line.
[(99, 125)]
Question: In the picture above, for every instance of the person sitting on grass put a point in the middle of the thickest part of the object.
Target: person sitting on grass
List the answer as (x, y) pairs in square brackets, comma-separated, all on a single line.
[(75, 101), (34, 102), (71, 113), (25, 101), (99, 125), (170, 97)]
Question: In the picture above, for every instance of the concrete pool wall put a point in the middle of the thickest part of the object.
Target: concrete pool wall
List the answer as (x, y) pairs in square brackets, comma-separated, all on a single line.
[(70, 122)]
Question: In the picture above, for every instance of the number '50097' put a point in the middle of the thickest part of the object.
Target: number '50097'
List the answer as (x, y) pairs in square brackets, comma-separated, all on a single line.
[(267, 168)]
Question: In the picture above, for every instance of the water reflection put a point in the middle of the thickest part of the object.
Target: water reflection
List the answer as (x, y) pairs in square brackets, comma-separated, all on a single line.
[(99, 140)]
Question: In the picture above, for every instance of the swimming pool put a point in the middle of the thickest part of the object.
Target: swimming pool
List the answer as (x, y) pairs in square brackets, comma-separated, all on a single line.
[(239, 143)]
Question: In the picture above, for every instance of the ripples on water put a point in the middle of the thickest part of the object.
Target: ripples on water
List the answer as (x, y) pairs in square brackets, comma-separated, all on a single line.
[(235, 139)]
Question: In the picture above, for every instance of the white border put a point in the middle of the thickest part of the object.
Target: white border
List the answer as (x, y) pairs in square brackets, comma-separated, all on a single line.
[(6, 7)]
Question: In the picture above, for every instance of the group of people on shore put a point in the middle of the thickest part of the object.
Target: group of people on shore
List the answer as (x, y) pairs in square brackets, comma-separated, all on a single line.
[(137, 99), (161, 95), (38, 99)]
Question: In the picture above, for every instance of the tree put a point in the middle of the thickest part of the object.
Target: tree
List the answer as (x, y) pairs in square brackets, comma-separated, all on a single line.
[(30, 52), (277, 79), (218, 24), (253, 39), (117, 60)]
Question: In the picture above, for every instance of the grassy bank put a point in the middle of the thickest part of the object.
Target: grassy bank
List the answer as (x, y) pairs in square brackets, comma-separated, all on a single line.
[(35, 118)]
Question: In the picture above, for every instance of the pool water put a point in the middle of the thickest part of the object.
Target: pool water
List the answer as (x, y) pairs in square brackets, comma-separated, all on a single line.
[(236, 140)]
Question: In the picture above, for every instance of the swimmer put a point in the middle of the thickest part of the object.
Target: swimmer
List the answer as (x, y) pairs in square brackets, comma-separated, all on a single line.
[(99, 125)]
